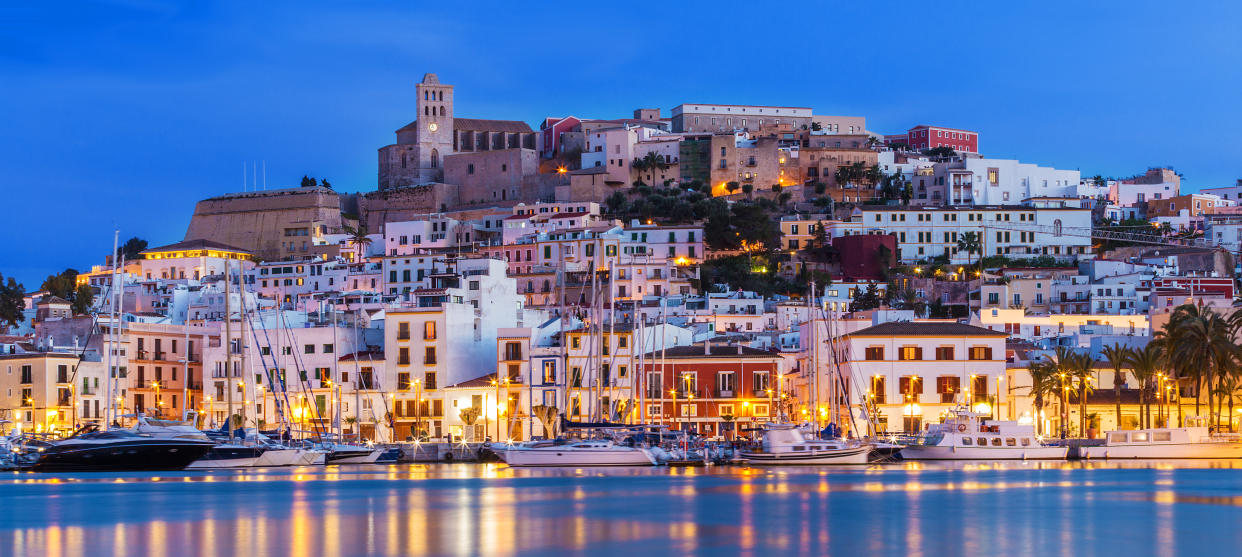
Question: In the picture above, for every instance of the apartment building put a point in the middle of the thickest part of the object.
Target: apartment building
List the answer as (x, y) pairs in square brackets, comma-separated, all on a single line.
[(914, 372)]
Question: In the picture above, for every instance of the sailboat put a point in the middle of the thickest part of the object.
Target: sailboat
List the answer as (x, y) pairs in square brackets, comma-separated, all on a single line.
[(784, 444)]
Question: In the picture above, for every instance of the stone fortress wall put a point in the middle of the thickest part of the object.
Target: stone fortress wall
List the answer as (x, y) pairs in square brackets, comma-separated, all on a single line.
[(258, 221)]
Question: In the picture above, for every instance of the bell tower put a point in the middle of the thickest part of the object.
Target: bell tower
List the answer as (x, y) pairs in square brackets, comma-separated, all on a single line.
[(435, 127)]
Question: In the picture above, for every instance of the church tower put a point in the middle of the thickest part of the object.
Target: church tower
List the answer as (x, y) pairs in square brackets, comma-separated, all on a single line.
[(435, 127)]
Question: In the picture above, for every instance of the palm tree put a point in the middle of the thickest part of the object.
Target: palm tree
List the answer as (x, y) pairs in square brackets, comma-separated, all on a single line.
[(1082, 366), (358, 238), (1200, 339), (1043, 383), (1145, 363), (1117, 356), (650, 162), (970, 242), (1063, 359)]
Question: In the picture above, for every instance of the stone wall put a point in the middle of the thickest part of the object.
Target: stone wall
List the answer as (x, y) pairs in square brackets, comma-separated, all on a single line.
[(404, 203), (257, 221)]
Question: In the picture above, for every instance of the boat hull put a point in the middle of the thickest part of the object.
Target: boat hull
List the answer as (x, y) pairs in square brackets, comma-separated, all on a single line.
[(1164, 451), (279, 457), (938, 452), (855, 455), (561, 456), (225, 456), (144, 454), (354, 457)]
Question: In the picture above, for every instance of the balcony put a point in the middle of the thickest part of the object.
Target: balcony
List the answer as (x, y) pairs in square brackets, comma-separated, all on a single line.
[(687, 393), (725, 393), (760, 393)]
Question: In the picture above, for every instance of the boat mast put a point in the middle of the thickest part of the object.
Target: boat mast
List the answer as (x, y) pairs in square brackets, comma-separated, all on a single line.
[(110, 365), (228, 351)]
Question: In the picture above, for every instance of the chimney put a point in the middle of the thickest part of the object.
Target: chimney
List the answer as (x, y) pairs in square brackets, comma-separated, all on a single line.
[(707, 348), (739, 348)]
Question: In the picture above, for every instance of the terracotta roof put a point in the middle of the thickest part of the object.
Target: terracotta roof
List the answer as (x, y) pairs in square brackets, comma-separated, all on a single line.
[(484, 381), (718, 350), (53, 300), (363, 357), (475, 124), (910, 328), (195, 245)]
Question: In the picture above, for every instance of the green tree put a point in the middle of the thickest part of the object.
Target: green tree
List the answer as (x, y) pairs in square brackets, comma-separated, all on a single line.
[(61, 285), (308, 182), (12, 301), (942, 151), (1198, 340), (358, 238), (747, 189), (616, 204), (865, 299), (83, 298), (1145, 364), (1044, 383), (1117, 356), (131, 250), (732, 187), (970, 242), (816, 126)]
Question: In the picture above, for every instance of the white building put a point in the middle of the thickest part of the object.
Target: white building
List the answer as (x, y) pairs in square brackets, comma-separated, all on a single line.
[(975, 181), (1056, 227), (910, 373)]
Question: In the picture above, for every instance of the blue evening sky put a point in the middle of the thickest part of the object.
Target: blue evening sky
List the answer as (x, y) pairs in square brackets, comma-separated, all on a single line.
[(124, 113)]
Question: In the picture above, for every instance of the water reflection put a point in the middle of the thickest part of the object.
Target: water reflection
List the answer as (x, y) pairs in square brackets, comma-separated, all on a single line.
[(907, 509)]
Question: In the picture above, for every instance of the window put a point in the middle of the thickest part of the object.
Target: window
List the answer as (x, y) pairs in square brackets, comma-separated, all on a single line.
[(403, 356), (429, 330), (967, 441), (875, 353), (308, 349), (947, 387), (403, 331), (910, 385), (944, 352), (980, 352), (327, 348), (878, 392), (429, 355), (910, 353)]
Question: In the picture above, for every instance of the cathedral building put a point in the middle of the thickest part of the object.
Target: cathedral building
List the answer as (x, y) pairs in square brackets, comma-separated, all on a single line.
[(418, 155)]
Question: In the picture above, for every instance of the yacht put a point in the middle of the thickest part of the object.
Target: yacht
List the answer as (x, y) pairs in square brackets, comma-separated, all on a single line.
[(221, 455), (595, 452), (784, 444), (968, 436), (351, 454), (120, 449), (1176, 442)]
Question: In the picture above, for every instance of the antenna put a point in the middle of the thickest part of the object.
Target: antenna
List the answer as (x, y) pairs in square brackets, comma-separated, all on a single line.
[(264, 175), (243, 176), (254, 175)]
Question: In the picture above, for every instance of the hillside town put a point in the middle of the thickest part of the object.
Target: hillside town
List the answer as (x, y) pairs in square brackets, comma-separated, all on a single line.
[(710, 269)]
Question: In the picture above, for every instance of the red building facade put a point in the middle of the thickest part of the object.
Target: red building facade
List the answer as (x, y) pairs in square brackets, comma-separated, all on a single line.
[(713, 388), (930, 137)]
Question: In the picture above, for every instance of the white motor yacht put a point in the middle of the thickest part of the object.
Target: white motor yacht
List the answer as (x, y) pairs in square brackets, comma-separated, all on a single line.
[(595, 452), (784, 444), (1176, 442), (967, 436), (351, 454)]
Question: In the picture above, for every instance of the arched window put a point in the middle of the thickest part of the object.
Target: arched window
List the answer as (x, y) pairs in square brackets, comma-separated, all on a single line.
[(435, 158), (426, 111), (1056, 227), (425, 95), (441, 95), (442, 111)]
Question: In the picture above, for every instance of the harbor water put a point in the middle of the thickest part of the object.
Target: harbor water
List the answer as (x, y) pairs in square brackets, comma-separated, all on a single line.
[(907, 509)]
